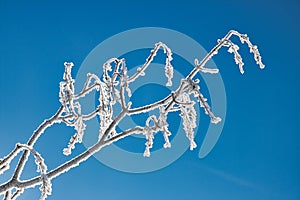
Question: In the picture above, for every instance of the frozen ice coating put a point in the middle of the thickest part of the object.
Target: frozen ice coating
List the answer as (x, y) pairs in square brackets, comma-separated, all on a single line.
[(114, 88), (79, 126), (168, 65), (188, 115), (233, 48)]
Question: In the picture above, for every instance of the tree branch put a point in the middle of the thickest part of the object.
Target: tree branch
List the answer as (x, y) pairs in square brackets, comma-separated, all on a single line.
[(112, 89)]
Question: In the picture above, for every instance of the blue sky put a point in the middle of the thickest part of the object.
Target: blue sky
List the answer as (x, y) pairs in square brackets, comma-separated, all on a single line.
[(257, 155)]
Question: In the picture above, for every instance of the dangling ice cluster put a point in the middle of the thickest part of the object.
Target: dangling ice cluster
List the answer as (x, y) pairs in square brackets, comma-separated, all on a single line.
[(159, 124), (149, 144), (79, 126), (66, 92), (188, 115), (233, 48), (71, 108), (253, 49), (194, 88), (162, 122), (168, 67)]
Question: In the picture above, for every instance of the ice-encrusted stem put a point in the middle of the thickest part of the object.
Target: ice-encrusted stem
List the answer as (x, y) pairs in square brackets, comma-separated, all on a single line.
[(36, 134), (168, 65)]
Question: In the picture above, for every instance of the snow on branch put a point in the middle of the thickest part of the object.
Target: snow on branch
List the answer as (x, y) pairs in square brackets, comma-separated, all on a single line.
[(46, 186), (114, 88), (168, 66)]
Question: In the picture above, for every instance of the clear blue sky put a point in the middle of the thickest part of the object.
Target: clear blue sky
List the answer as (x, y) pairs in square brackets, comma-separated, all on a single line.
[(257, 156)]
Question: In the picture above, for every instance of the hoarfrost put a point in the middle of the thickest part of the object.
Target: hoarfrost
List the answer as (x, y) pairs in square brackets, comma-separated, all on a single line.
[(112, 89)]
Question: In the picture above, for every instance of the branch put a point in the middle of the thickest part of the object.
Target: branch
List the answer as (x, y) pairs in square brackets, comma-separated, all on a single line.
[(112, 89), (46, 187), (168, 66), (36, 134)]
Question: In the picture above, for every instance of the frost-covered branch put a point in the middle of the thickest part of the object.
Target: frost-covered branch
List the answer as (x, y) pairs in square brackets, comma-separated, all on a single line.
[(168, 66), (114, 88), (46, 186)]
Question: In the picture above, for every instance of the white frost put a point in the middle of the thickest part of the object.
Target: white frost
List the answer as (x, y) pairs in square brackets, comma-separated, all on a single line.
[(112, 89)]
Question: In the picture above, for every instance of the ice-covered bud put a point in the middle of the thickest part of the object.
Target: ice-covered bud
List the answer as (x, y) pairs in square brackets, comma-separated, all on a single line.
[(68, 64), (215, 120), (244, 38), (68, 68), (67, 151), (139, 70)]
